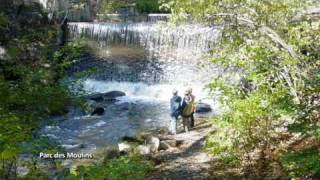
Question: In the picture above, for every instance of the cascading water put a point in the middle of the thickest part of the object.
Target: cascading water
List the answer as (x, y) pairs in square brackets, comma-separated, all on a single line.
[(157, 17), (173, 58), (178, 52)]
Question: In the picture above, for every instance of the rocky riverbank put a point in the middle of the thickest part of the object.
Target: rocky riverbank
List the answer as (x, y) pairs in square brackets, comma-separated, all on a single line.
[(180, 156)]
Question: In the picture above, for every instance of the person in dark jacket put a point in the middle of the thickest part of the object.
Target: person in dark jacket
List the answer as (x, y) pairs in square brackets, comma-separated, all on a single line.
[(175, 110)]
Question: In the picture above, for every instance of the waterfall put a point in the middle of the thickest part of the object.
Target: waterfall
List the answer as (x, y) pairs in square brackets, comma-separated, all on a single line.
[(157, 17), (179, 51)]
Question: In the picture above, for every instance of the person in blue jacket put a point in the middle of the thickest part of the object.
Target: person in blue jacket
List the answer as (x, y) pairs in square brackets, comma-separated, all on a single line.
[(175, 111)]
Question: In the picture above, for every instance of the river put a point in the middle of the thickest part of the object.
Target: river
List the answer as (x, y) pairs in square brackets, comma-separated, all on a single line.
[(146, 60)]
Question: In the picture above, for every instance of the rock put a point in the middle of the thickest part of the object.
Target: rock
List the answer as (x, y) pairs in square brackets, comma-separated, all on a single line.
[(111, 153), (153, 142), (124, 147), (164, 146), (98, 111), (73, 146), (2, 52), (167, 144), (164, 137), (96, 97), (22, 171), (144, 150), (109, 96), (171, 143), (113, 94), (203, 108), (131, 139)]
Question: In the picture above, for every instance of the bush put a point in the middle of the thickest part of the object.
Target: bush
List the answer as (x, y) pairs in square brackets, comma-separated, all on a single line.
[(302, 164), (147, 6)]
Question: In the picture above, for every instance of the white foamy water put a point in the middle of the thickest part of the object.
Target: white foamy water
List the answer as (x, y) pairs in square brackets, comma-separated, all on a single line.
[(145, 92)]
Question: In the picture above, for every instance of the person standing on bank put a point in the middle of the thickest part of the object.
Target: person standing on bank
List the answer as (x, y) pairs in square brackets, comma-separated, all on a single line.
[(187, 108), (193, 108), (175, 109)]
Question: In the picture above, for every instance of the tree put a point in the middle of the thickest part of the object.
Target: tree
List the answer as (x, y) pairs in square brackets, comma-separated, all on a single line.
[(274, 47), (31, 69)]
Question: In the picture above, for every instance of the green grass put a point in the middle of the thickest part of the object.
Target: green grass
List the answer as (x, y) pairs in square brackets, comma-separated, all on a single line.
[(125, 167)]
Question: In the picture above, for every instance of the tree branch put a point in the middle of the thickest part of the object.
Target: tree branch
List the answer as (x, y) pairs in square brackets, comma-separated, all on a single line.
[(311, 13)]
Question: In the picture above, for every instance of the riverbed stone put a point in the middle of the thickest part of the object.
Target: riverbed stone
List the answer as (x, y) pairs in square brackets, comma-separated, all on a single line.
[(171, 142), (112, 152), (164, 146), (203, 108), (124, 147), (144, 149), (153, 142)]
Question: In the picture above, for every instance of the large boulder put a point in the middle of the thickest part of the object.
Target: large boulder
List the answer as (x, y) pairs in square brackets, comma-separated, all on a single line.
[(113, 95), (98, 97), (99, 111), (203, 108), (109, 96)]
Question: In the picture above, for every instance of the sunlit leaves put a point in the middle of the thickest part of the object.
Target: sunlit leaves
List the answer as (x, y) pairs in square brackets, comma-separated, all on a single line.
[(277, 59)]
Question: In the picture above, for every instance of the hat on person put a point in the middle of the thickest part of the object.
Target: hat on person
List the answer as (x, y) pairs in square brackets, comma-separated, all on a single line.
[(189, 90), (174, 91)]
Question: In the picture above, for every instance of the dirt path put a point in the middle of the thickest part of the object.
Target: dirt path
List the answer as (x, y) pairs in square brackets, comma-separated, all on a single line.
[(189, 161)]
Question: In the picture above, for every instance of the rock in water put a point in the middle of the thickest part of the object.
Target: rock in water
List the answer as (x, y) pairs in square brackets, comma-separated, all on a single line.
[(112, 95), (144, 150), (153, 142), (96, 97), (98, 111), (203, 108)]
